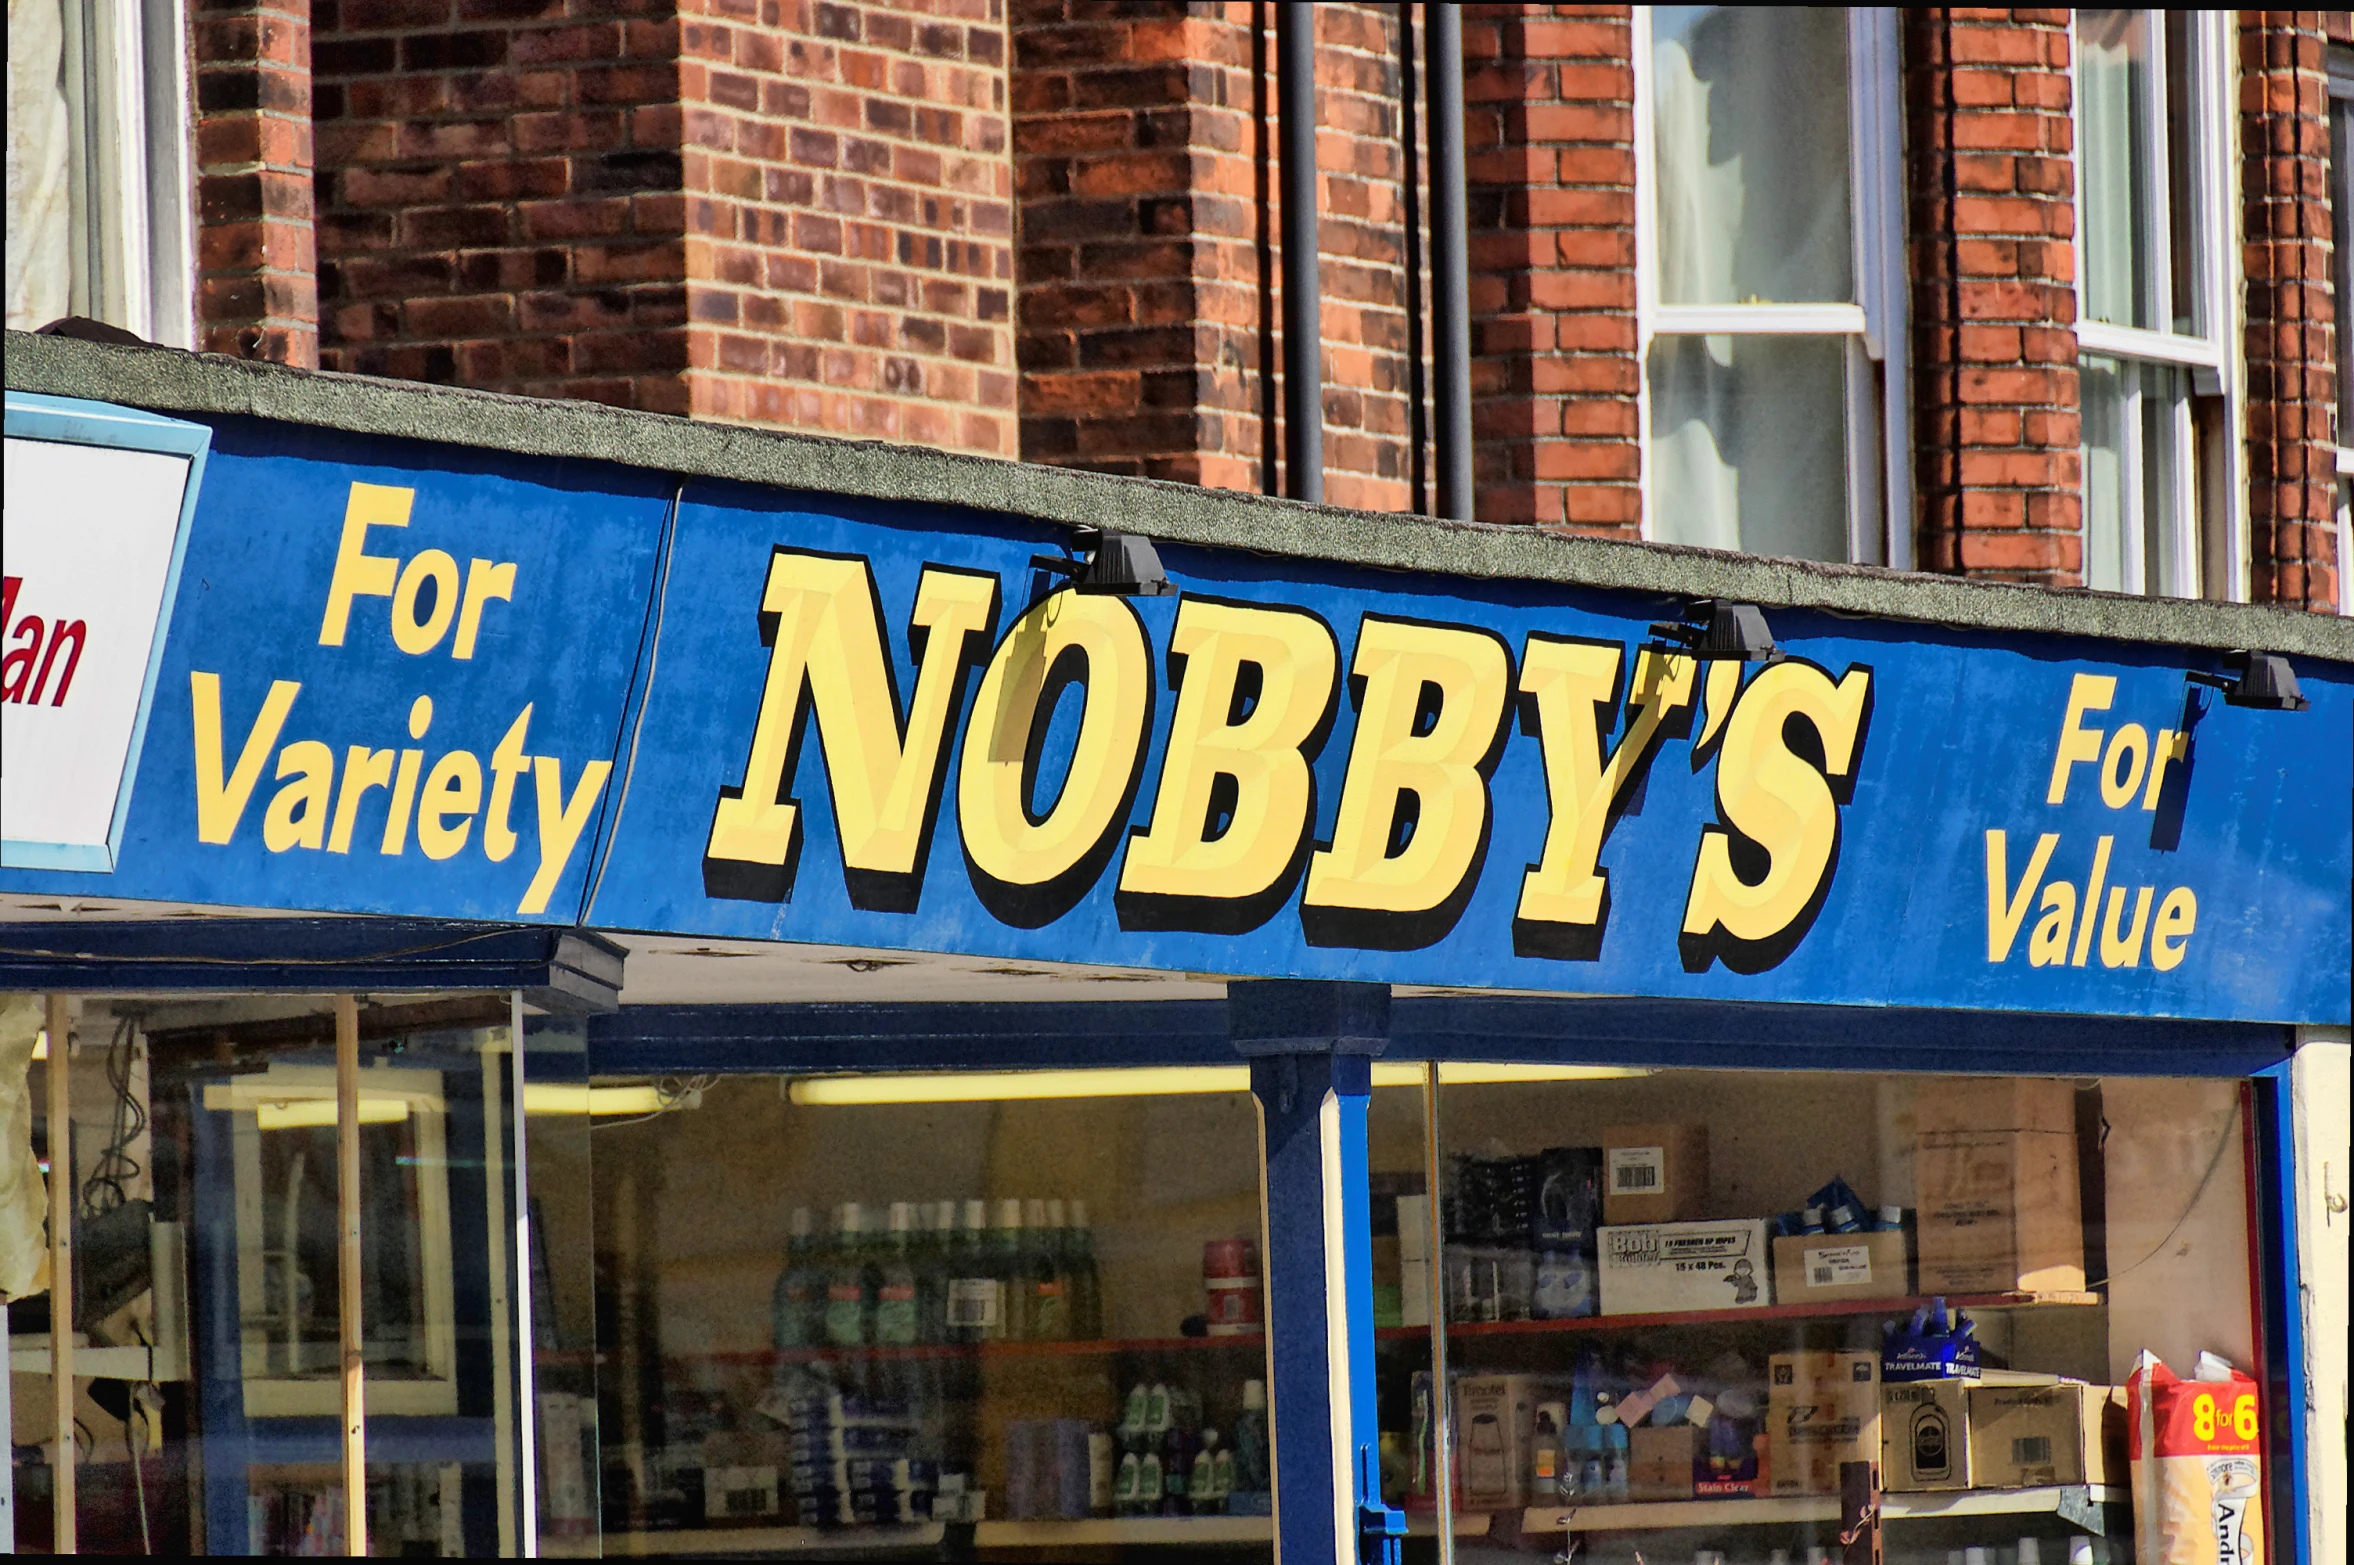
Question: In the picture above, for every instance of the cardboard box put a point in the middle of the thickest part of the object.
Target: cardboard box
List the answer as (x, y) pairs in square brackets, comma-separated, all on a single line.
[(1813, 1267), (1822, 1410), (2030, 1437), (1996, 1185), (1925, 1436), (1660, 1462), (1654, 1173), (1666, 1268), (1495, 1418)]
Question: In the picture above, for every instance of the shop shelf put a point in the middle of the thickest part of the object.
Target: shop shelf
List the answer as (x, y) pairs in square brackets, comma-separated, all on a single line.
[(1468, 1524), (2072, 1502), (987, 1350), (1841, 1308), (706, 1541), (1116, 1531)]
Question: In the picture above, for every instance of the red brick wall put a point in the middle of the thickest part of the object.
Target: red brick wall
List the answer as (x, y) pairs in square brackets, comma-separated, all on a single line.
[(499, 202), (1998, 465), (2292, 371), (256, 263), (849, 217), (1550, 159)]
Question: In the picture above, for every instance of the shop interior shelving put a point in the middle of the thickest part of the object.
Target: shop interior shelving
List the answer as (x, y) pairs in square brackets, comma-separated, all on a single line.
[(1106, 1348), (1758, 1314), (2078, 1504)]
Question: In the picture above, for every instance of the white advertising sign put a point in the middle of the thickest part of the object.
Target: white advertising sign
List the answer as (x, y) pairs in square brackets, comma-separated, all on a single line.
[(90, 546)]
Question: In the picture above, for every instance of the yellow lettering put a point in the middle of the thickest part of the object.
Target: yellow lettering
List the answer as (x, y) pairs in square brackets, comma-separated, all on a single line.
[(1780, 803), (297, 817), (2048, 946), (417, 636), (885, 782), (560, 823), (2006, 911), (484, 581), (220, 805), (357, 572), (507, 762), (2092, 900), (1412, 821), (2131, 744), (404, 797), (2178, 916), (1252, 769), (2125, 952), (2086, 693), (1573, 687), (363, 769), (2171, 747), (453, 787), (1036, 858)]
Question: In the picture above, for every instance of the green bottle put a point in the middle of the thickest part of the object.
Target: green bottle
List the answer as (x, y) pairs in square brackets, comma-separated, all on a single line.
[(1086, 1287), (935, 1267), (850, 1282), (1050, 1313), (798, 1306), (1009, 1266), (895, 1288), (976, 1297)]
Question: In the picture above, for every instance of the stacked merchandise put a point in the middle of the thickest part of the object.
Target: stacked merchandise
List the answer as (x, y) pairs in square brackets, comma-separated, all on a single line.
[(1171, 1463), (853, 1460), (1521, 1235)]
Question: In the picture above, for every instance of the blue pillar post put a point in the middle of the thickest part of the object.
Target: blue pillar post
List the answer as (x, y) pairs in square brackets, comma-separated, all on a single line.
[(1311, 1048)]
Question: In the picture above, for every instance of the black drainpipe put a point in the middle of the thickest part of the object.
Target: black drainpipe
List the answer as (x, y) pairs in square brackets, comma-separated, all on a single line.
[(1450, 278), (1303, 329)]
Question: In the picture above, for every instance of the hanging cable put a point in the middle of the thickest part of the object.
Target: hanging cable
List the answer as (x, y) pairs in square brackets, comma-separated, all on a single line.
[(111, 1176)]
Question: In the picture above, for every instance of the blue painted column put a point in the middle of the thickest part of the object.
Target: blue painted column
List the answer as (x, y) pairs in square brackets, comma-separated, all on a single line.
[(1311, 1048)]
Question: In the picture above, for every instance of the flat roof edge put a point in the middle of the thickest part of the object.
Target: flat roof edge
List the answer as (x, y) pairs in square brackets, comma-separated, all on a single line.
[(169, 380)]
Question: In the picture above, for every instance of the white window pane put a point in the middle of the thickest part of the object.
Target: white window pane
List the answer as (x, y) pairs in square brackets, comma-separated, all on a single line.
[(1748, 444), (2108, 447), (2116, 166), (2136, 503), (1750, 134), (39, 200), (2188, 217)]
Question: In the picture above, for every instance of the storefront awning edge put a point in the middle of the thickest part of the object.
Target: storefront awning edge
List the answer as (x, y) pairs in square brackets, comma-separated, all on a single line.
[(172, 381)]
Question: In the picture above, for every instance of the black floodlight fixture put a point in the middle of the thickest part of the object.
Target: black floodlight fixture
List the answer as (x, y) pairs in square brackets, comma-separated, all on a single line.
[(1110, 562), (1715, 631), (2262, 680)]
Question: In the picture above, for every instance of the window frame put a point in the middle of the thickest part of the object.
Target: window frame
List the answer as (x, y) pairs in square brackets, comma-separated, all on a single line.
[(2341, 190), (2214, 361), (1875, 329), (124, 75)]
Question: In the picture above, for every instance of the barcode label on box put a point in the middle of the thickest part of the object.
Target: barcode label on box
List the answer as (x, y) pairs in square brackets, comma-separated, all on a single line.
[(974, 1301), (2032, 1451), (1638, 1170), (1839, 1266)]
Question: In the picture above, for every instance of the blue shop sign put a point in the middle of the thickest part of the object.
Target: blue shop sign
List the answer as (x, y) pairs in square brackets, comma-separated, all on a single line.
[(421, 680)]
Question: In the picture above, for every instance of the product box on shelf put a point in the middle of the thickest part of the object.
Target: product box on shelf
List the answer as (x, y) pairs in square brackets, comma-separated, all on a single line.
[(1495, 1416), (1925, 1436), (1654, 1173), (2060, 1432), (1820, 1268), (1822, 1410), (1995, 1180), (1661, 1461), (1667, 1268)]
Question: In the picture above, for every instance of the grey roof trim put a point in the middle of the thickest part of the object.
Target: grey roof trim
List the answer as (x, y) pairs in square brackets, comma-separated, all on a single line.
[(170, 381)]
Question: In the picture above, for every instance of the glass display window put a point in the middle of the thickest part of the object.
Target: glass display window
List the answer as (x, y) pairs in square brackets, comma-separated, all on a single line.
[(900, 1312), (1733, 1315)]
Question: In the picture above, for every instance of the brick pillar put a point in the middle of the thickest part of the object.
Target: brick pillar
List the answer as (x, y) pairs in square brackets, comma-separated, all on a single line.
[(1997, 431), (849, 217), (1138, 161), (2292, 371), (1550, 155), (257, 292)]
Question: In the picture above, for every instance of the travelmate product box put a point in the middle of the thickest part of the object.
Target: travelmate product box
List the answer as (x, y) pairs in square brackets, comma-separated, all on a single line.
[(1665, 1268)]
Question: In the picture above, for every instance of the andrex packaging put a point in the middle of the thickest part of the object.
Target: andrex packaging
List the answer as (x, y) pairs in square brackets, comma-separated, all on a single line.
[(2198, 1466)]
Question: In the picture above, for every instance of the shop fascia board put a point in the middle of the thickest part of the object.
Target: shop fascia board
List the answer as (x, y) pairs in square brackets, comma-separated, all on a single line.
[(172, 381)]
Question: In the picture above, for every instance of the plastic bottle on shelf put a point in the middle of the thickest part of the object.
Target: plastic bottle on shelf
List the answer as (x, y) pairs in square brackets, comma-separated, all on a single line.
[(796, 1309), (1007, 1265), (1202, 1489), (976, 1298), (1251, 1472), (1049, 1302), (1151, 1482), (850, 1294), (1617, 1477), (935, 1264), (895, 1290), (1086, 1286)]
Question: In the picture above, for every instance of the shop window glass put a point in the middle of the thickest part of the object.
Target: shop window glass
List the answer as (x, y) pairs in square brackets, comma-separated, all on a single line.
[(866, 1311), (207, 1283), (1770, 279), (2159, 495), (1648, 1277)]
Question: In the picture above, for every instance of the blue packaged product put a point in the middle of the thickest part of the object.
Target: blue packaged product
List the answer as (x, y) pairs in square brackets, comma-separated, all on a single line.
[(1929, 1347)]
